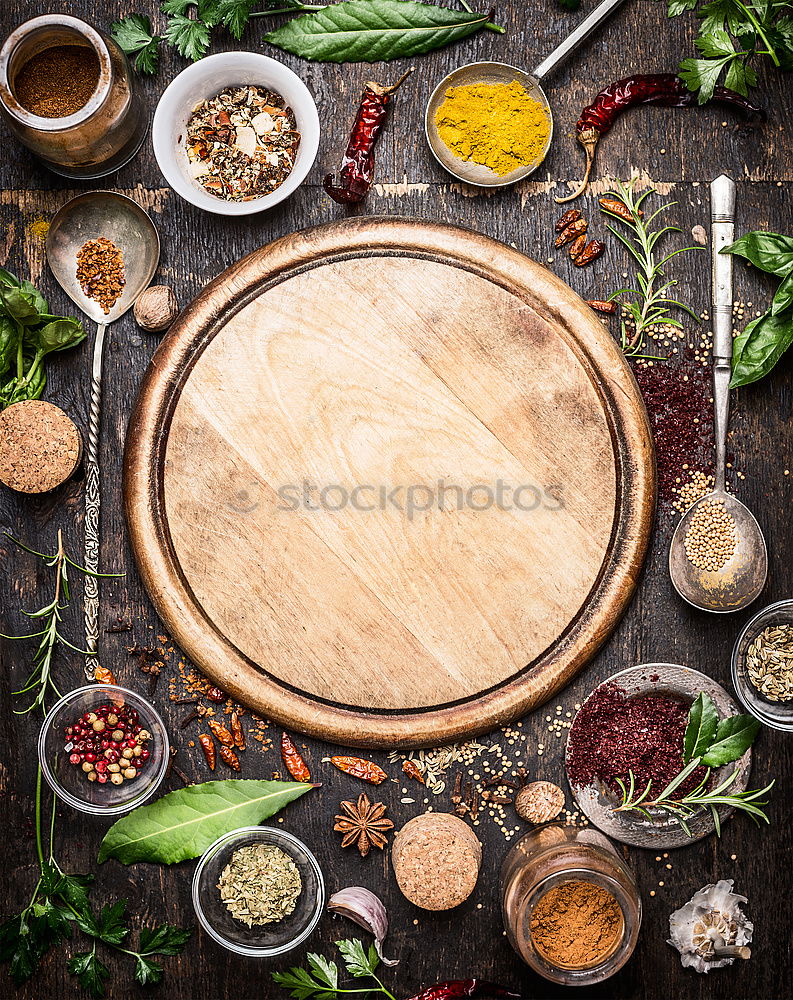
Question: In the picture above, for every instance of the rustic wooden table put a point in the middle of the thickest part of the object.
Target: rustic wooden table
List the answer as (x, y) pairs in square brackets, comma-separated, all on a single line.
[(679, 152)]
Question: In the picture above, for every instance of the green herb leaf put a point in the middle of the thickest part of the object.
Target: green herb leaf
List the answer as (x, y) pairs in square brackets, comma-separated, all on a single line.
[(109, 926), (783, 298), (134, 34), (184, 823), (734, 736), (569, 4), (147, 973), (676, 7), (760, 346), (771, 252), (90, 972), (302, 985), (235, 14), (325, 971), (702, 75), (163, 940), (58, 335), (374, 30), (716, 43), (740, 77), (357, 960), (703, 720), (189, 38)]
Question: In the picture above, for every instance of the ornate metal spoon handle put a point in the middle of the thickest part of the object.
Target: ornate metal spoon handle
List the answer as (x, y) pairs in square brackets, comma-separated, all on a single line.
[(92, 504)]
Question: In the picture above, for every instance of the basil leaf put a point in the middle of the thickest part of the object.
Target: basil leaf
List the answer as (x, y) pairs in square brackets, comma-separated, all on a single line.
[(58, 335), (760, 346), (19, 304), (734, 736), (783, 299), (184, 823), (374, 30), (771, 252), (703, 719)]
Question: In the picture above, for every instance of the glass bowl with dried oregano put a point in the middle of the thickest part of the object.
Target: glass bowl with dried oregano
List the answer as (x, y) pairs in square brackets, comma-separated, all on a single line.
[(762, 666), (258, 891)]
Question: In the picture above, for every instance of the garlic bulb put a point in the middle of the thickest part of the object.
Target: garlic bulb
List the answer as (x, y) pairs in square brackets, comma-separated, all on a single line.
[(365, 909), (711, 930)]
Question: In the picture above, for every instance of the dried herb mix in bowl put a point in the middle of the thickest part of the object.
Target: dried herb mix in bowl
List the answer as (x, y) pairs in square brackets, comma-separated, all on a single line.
[(242, 143), (260, 885)]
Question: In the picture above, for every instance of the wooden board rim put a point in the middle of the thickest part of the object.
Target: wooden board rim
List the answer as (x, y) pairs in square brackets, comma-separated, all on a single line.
[(159, 565)]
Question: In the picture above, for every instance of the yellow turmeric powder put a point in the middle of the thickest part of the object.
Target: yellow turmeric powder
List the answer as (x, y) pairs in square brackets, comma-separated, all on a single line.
[(496, 124)]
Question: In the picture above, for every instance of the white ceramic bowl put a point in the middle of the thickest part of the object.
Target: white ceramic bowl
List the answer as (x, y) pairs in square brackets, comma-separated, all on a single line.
[(206, 78)]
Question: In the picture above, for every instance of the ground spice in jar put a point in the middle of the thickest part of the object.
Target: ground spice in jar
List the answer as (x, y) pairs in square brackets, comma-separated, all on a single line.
[(58, 81), (576, 925), (100, 271), (496, 124), (614, 734)]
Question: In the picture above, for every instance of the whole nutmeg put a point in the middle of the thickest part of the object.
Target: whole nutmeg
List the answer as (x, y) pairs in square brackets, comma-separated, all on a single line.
[(156, 308), (539, 802)]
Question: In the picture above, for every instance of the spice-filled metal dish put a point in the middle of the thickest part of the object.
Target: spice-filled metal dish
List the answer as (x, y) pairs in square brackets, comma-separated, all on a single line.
[(258, 891), (221, 157), (103, 749), (762, 666), (668, 690)]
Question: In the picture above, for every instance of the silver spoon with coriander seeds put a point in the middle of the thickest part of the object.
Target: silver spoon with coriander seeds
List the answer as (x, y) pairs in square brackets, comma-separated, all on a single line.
[(103, 250), (718, 559)]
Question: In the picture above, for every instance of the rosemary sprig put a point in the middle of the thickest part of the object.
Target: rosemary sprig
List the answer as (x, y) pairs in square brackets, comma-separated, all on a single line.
[(649, 304), (683, 807), (49, 616)]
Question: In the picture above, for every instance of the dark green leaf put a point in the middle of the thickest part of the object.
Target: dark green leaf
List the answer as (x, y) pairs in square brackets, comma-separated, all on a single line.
[(184, 823), (302, 985), (783, 299), (147, 973), (7, 278), (189, 38), (235, 14), (9, 338), (374, 30), (715, 44), (760, 346), (74, 890), (90, 972), (163, 940), (325, 971), (57, 919), (357, 960), (771, 252), (26, 952), (19, 304), (703, 720), (676, 7), (109, 926), (59, 334), (177, 6), (721, 14), (569, 4), (740, 77), (734, 736), (135, 36), (702, 75)]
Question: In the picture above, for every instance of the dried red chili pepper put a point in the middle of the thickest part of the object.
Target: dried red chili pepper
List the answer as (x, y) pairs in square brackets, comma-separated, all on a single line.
[(357, 166), (366, 770), (572, 232), (228, 756), (576, 248), (663, 89), (601, 306), (238, 731), (570, 216), (616, 207), (215, 694), (465, 988), (221, 734), (293, 760), (412, 771), (590, 252), (206, 744)]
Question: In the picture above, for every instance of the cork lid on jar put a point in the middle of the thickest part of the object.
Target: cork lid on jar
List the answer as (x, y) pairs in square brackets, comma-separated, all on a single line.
[(436, 859), (40, 446)]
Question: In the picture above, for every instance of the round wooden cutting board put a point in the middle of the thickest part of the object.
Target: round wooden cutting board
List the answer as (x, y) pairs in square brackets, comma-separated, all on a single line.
[(389, 482)]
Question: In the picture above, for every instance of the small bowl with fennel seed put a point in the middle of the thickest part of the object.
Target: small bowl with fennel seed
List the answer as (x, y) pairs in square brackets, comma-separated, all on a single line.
[(258, 891)]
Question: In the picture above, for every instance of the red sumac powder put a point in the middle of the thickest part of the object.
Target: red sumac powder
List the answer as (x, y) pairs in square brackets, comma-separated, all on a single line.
[(614, 734)]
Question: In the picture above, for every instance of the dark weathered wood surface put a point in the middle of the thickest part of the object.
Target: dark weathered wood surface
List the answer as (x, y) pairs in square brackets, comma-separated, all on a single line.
[(680, 152)]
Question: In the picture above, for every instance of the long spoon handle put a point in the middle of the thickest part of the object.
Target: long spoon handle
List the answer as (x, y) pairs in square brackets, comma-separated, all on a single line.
[(578, 35), (93, 498), (722, 226)]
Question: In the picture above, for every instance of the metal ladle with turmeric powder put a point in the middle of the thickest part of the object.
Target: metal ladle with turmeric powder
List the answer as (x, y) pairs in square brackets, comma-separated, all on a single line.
[(489, 123)]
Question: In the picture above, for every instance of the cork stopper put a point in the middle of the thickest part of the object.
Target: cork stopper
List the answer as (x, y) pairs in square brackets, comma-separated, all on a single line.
[(40, 446), (436, 859)]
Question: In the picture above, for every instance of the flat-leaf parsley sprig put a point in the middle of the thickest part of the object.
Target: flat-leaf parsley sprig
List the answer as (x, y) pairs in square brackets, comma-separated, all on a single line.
[(321, 979)]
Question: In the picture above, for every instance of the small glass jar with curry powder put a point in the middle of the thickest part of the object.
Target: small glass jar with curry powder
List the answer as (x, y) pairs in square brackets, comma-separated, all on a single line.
[(570, 904), (68, 93)]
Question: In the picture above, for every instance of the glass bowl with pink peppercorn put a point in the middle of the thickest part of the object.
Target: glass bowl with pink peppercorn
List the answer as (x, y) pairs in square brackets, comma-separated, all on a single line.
[(103, 749)]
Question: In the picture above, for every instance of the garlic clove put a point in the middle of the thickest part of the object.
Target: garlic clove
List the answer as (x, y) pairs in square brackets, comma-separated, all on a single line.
[(366, 909), (711, 930)]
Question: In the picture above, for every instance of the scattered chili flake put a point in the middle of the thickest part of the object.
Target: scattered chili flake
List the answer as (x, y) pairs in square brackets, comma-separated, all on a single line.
[(614, 734), (242, 143), (100, 272)]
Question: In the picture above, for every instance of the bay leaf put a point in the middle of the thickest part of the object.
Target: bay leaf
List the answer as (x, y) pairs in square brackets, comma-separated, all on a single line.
[(182, 824), (734, 736), (703, 718)]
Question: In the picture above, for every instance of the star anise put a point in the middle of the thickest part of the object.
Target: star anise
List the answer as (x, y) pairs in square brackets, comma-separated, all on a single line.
[(362, 823)]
